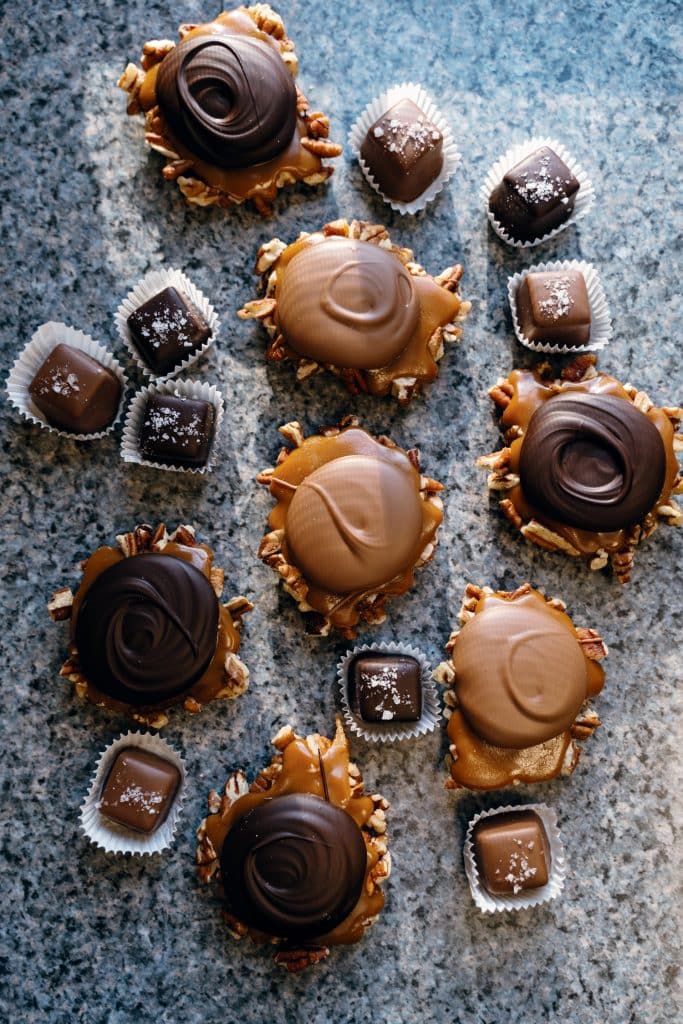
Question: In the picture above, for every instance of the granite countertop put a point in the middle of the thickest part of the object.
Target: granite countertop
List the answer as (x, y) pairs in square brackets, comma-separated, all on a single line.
[(85, 213)]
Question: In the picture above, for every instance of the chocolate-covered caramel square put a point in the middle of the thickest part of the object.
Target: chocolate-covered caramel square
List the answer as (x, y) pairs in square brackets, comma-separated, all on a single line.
[(404, 151), (139, 790), (512, 852), (167, 329), (386, 688), (535, 196), (177, 430), (553, 306), (74, 392)]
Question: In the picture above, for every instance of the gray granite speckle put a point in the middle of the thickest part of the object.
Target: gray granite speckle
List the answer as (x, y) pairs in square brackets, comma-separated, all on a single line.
[(89, 938)]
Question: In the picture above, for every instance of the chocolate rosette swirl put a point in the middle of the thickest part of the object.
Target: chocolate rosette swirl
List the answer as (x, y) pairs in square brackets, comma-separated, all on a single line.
[(293, 866), (229, 99), (592, 461), (147, 629)]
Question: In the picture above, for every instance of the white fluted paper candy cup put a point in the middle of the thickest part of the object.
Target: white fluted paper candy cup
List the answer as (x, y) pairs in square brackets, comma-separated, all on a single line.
[(601, 324), (491, 903), (582, 203), (46, 338), (379, 106), (115, 838), (153, 283), (130, 442), (389, 732)]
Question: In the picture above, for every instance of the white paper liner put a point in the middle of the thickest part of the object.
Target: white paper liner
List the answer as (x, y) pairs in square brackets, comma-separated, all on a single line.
[(375, 109), (45, 339), (582, 202), (130, 442), (601, 324), (491, 904), (153, 283), (389, 732), (112, 837)]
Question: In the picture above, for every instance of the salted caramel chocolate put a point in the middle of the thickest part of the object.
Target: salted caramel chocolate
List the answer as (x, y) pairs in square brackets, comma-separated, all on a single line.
[(349, 301), (167, 329), (221, 106), (519, 675), (148, 630), (300, 854), (177, 430), (353, 520), (553, 308), (385, 687), (74, 392), (512, 852), (139, 790), (403, 150), (591, 466), (535, 196)]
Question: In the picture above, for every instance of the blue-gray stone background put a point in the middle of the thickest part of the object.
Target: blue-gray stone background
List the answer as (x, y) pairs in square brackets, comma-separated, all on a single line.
[(85, 213)]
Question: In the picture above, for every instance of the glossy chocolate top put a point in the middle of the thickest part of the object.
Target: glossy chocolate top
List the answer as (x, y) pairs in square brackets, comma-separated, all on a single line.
[(592, 461), (228, 98), (520, 672), (356, 522), (348, 303), (147, 629), (294, 866)]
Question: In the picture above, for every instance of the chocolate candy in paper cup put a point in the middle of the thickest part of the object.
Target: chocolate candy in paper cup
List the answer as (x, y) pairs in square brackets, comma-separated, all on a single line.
[(135, 796)]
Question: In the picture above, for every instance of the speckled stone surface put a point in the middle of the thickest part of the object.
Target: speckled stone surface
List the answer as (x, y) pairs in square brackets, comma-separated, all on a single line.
[(85, 212)]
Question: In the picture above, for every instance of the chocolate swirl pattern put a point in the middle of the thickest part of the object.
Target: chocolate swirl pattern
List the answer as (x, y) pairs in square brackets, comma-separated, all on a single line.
[(147, 629), (229, 99), (347, 303), (595, 462), (294, 866), (356, 522), (520, 673)]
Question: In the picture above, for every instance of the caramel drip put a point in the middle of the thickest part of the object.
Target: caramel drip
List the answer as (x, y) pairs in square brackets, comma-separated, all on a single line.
[(228, 640), (301, 773), (437, 308), (479, 765), (529, 394), (300, 463), (246, 182), (482, 766)]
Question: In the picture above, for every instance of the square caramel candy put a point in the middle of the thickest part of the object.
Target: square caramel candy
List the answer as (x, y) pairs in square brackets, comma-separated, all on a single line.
[(512, 852), (167, 329), (553, 306), (176, 430), (535, 196), (386, 688), (404, 151), (139, 790), (74, 392)]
